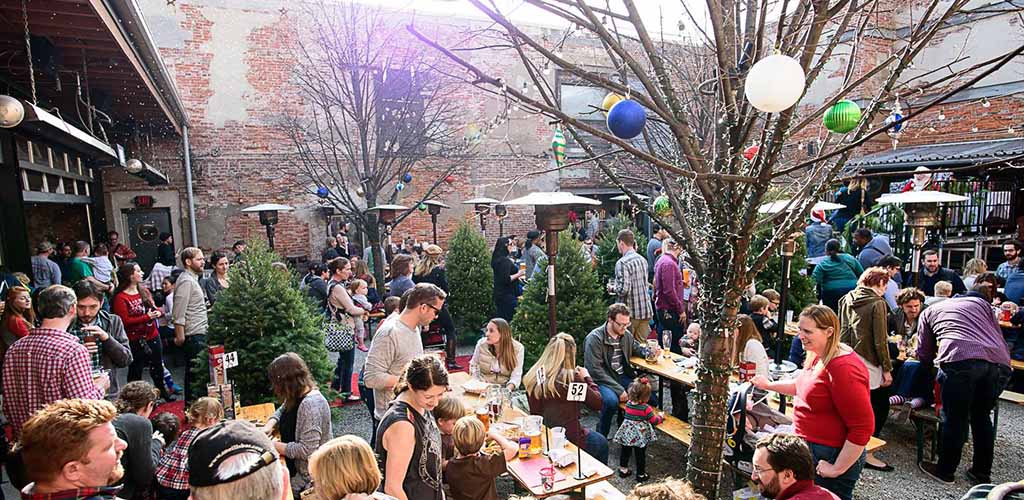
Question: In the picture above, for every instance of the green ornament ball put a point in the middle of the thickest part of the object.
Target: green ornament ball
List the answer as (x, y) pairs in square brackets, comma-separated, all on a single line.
[(422, 207), (661, 206), (842, 117)]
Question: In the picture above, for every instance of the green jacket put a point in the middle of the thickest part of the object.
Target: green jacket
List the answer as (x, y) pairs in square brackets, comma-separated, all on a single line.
[(597, 357), (863, 325), (831, 274)]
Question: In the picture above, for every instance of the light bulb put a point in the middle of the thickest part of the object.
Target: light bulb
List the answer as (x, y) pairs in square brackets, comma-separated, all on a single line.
[(985, 103), (942, 116), (974, 129)]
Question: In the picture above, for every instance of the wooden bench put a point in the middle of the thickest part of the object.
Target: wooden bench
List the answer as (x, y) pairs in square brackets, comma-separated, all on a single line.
[(603, 491), (1013, 397)]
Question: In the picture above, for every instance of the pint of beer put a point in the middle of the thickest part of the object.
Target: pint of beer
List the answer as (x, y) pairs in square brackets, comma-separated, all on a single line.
[(484, 415), (535, 443)]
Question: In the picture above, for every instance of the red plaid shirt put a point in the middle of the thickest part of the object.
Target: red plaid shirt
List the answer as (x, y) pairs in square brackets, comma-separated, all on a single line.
[(101, 493), (43, 367), (172, 471)]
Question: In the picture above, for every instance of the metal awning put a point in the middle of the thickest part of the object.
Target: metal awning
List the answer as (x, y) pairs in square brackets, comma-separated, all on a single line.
[(947, 154)]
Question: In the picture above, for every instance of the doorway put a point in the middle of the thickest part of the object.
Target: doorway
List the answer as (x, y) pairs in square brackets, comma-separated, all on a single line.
[(144, 228)]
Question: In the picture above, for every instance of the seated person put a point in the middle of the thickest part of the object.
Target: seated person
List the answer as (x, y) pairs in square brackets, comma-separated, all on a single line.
[(475, 469), (606, 353)]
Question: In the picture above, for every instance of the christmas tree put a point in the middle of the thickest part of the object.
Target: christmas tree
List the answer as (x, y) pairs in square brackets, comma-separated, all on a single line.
[(579, 297), (470, 281), (607, 251), (261, 316)]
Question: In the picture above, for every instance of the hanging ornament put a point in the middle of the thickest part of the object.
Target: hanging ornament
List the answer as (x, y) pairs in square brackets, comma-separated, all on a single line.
[(895, 119), (842, 116), (626, 119), (751, 152), (610, 101), (422, 207), (662, 206), (558, 147), (400, 186), (407, 177), (323, 192), (775, 83), (449, 179), (360, 192)]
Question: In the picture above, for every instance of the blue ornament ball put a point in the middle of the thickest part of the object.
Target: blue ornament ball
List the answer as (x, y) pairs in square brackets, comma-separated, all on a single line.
[(897, 119), (626, 119), (322, 192), (400, 186), (407, 177)]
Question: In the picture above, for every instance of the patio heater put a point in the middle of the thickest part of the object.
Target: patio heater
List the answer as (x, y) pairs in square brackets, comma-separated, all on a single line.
[(434, 209), (482, 206), (922, 213), (551, 210), (501, 211), (268, 217)]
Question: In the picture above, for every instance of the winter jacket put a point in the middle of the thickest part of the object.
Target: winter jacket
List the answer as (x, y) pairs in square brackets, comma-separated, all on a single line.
[(839, 273), (817, 235), (877, 248), (597, 357), (863, 325)]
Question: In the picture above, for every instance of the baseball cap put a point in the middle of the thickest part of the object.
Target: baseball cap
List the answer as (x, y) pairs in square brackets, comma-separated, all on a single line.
[(533, 234), (227, 439)]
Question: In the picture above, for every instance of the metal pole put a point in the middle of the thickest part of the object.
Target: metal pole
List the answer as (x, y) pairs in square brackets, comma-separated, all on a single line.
[(783, 296), (501, 227), (270, 235), (433, 222), (552, 250), (188, 188)]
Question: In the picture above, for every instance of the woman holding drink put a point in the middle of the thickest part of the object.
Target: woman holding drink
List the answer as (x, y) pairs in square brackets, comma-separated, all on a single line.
[(498, 358), (506, 278)]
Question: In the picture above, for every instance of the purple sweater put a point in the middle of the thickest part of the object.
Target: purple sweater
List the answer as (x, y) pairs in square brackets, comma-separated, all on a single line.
[(668, 285), (963, 328)]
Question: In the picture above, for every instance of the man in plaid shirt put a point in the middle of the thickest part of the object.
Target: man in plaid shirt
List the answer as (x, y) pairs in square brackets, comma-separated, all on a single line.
[(48, 364), (630, 285)]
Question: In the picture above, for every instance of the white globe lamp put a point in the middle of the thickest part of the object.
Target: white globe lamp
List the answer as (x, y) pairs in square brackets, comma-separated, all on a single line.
[(12, 112), (775, 83), (134, 166)]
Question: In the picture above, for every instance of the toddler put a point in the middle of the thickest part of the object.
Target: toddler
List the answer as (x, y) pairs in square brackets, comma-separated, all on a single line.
[(102, 268), (358, 288), (637, 431), (476, 470), (172, 471), (448, 410)]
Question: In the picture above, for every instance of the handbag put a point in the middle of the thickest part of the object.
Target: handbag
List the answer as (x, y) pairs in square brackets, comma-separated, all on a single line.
[(339, 335)]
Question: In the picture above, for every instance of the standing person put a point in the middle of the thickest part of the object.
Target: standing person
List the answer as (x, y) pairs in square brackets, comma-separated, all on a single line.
[(341, 309), (832, 408), (532, 252), (303, 420), (671, 310), (71, 451), (931, 273), (962, 337), (45, 272), (892, 266), (63, 258), (637, 431), (330, 251), (873, 247), (111, 350), (654, 245), (134, 305), (49, 363), (401, 275), (218, 280), (817, 233), (238, 248), (397, 342), (18, 317), (783, 468), (606, 353), (506, 277), (472, 473), (189, 313), (172, 471), (498, 358), (135, 404), (165, 250), (547, 394), (863, 320), (836, 275), (345, 467), (430, 269), (630, 284), (119, 252), (78, 270), (1011, 251), (102, 265), (409, 444)]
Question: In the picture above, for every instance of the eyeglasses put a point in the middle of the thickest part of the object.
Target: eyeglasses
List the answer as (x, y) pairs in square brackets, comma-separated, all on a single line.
[(436, 310), (757, 471), (622, 325)]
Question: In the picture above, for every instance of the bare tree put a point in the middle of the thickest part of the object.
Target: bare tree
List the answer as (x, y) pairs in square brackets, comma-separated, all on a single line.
[(699, 123), (376, 107)]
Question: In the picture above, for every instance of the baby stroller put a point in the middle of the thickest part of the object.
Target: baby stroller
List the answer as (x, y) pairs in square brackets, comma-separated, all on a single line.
[(749, 418)]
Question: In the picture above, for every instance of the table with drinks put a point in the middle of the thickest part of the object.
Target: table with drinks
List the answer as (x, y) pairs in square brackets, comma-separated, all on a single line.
[(535, 468)]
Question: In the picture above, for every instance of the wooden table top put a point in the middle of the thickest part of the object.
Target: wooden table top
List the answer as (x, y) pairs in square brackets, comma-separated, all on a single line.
[(601, 471), (1017, 364), (258, 414), (667, 368)]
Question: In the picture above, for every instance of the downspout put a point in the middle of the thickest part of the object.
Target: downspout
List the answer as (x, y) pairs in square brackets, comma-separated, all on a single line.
[(188, 187)]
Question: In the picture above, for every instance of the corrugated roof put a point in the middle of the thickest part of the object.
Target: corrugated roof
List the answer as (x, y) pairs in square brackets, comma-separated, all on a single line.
[(943, 154)]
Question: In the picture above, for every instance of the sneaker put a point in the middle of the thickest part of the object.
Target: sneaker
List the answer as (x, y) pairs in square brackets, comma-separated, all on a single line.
[(174, 388), (353, 397), (363, 348), (624, 472), (643, 478), (976, 479), (932, 471)]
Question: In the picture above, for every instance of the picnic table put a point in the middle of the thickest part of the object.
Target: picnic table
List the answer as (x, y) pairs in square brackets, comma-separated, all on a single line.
[(257, 414), (598, 471)]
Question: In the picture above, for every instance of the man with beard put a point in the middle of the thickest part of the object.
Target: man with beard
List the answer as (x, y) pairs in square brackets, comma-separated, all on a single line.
[(101, 333), (932, 272), (71, 451), (189, 313), (783, 469)]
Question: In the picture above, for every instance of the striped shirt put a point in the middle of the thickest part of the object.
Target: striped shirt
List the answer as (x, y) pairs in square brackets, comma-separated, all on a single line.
[(961, 328), (631, 285), (642, 413)]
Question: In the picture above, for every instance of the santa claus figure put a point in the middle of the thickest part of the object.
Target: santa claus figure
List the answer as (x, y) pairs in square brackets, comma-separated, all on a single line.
[(921, 181)]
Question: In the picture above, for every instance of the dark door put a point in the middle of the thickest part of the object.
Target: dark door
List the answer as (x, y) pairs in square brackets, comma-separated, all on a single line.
[(144, 228)]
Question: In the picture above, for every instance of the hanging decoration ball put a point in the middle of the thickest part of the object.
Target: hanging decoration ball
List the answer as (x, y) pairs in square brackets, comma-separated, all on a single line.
[(610, 101), (449, 179), (422, 207), (775, 83), (12, 112), (751, 152), (842, 116), (400, 186), (407, 177), (323, 192), (558, 147), (360, 192), (661, 206), (896, 118), (626, 119)]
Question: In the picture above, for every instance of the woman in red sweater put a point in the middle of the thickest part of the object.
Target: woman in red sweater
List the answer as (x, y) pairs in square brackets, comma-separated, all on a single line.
[(134, 305), (832, 408), (18, 317)]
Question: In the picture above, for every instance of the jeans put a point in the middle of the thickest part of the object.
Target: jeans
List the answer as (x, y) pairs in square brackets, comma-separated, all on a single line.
[(843, 485), (596, 445), (343, 371), (610, 403), (153, 359), (680, 403), (970, 389), (195, 346)]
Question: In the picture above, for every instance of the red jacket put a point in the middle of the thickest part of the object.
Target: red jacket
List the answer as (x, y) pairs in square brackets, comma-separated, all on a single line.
[(806, 490)]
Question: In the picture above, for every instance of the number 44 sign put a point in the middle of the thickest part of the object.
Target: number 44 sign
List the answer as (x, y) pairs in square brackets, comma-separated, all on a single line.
[(577, 392), (230, 359)]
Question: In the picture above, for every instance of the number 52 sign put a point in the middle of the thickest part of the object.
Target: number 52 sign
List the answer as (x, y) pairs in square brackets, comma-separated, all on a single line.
[(577, 392)]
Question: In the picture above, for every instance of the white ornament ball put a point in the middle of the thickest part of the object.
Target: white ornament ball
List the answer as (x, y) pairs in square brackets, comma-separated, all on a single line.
[(775, 83)]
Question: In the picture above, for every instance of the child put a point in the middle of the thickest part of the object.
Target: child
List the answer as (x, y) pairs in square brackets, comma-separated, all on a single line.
[(102, 268), (637, 431), (688, 343), (172, 471), (476, 471), (167, 424), (448, 410), (766, 326), (357, 288), (345, 467)]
